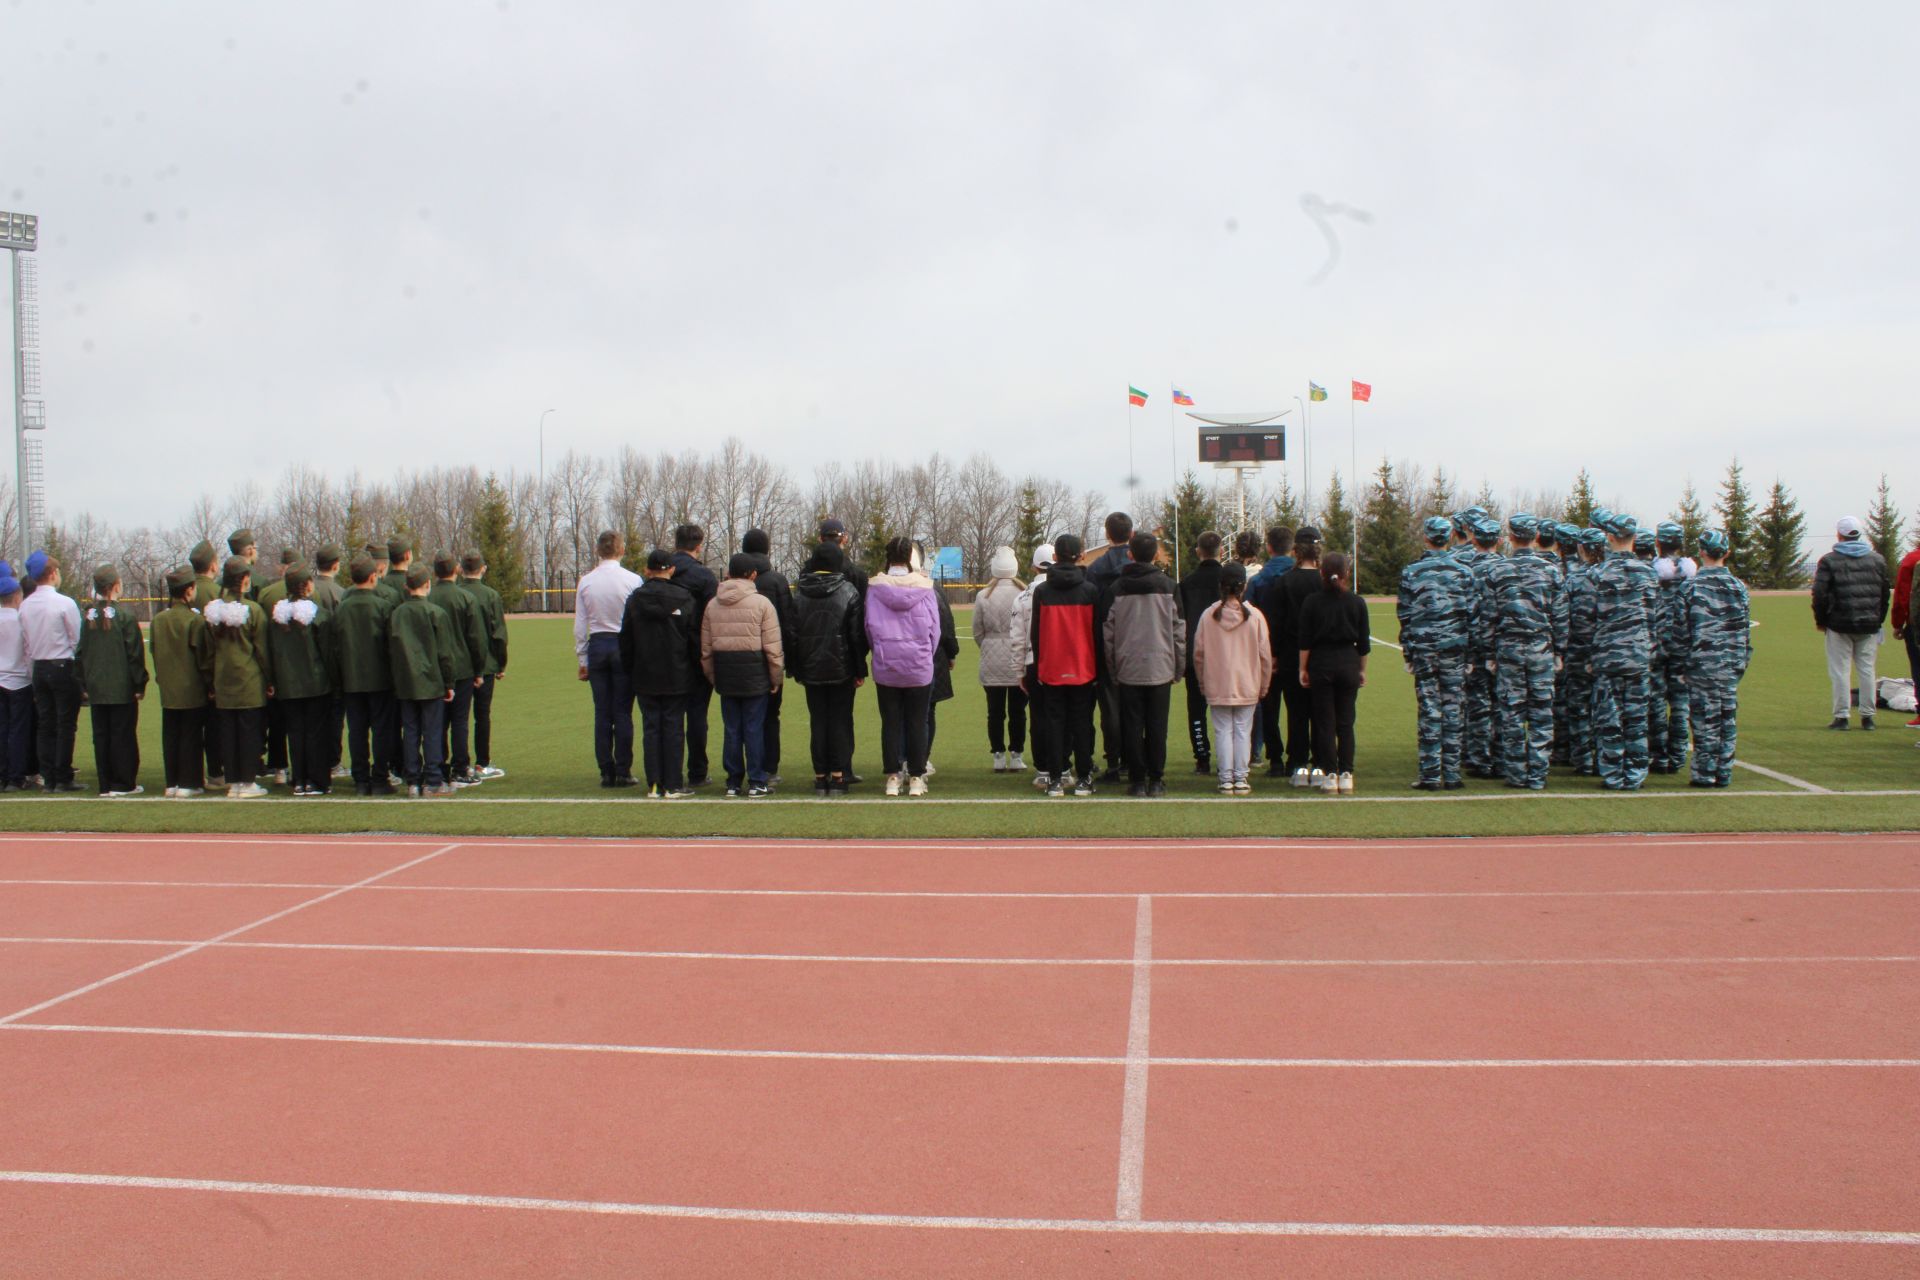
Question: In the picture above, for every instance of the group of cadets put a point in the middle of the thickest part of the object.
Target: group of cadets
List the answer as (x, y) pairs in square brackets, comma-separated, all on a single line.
[(1598, 648), (259, 680)]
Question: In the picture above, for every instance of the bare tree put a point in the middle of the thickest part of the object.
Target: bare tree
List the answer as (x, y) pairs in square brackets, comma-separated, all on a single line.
[(984, 501)]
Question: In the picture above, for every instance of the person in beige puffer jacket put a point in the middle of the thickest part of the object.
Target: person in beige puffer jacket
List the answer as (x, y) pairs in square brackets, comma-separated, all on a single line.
[(1233, 662), (741, 654)]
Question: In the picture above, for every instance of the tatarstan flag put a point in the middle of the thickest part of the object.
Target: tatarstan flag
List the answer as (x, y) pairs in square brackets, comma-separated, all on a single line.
[(1363, 391), (1135, 396), (1316, 392)]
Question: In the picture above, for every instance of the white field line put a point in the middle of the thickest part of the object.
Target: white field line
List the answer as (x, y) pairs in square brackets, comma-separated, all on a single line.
[(1062, 895), (1787, 778), (801, 1217), (608, 953), (220, 938), (1390, 644), (1133, 1130), (1133, 1104)]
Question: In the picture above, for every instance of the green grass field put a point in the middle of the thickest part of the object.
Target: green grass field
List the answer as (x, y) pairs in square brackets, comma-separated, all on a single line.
[(542, 735)]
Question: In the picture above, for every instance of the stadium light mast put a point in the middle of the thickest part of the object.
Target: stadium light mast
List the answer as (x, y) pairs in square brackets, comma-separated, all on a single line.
[(20, 233)]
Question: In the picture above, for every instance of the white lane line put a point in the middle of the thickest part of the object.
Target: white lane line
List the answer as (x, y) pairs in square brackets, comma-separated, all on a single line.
[(220, 938), (802, 1217), (1133, 1103), (1390, 644), (1014, 894), (1787, 778), (1134, 1116), (610, 953)]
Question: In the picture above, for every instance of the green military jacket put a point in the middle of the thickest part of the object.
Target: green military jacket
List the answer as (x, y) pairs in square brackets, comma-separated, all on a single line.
[(493, 611), (396, 579), (204, 589), (271, 594), (421, 642), (305, 664), (469, 628), (360, 637), (327, 592), (182, 657), (240, 659), (111, 658)]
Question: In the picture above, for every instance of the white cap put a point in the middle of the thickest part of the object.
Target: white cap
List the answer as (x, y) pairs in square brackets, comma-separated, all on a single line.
[(1043, 556), (1004, 563), (1848, 527)]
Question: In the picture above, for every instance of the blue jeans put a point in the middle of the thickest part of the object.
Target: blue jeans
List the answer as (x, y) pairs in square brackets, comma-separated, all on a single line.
[(743, 751), (612, 705), (422, 741)]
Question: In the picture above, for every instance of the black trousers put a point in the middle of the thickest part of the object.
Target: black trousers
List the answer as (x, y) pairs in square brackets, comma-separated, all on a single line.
[(16, 734), (770, 733), (903, 727), (612, 686), (662, 729), (1197, 731), (1068, 709), (1143, 729), (336, 725), (116, 745), (422, 732), (276, 736), (1273, 741), (56, 708), (457, 736), (181, 734), (240, 732), (830, 713), (305, 722), (694, 708), (1112, 732), (1006, 719), (1286, 678), (370, 725), (1335, 689), (483, 722), (210, 743), (1913, 656)]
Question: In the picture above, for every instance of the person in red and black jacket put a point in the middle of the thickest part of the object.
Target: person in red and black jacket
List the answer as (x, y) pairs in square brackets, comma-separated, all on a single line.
[(1903, 628), (1063, 661)]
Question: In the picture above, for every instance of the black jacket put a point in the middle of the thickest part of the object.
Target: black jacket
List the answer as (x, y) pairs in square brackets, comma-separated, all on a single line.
[(660, 639), (1297, 586), (1198, 590), (1850, 593), (691, 575), (946, 651), (829, 644), (773, 584), (1106, 571)]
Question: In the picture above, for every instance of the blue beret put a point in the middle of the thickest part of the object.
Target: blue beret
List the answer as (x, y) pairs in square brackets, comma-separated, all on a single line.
[(1643, 540), (1486, 529), (1670, 531), (1598, 517), (36, 565), (1569, 534), (1619, 524), (1714, 542), (1523, 524), (1593, 539), (1437, 528), (8, 583)]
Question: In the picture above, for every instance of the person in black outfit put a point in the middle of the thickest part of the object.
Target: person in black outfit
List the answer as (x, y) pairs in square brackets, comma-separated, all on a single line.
[(660, 650), (690, 574), (1103, 573), (828, 657), (943, 659), (1293, 589), (1199, 590), (1334, 639), (772, 584)]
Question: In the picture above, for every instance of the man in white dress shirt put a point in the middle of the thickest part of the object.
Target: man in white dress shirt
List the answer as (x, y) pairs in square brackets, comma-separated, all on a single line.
[(599, 603), (50, 622)]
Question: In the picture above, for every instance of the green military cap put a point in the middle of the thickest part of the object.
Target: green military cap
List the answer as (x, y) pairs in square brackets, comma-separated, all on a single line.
[(328, 557), (180, 579), (202, 557), (239, 540), (398, 549), (235, 569), (289, 556), (418, 576), (374, 552), (297, 576), (104, 579)]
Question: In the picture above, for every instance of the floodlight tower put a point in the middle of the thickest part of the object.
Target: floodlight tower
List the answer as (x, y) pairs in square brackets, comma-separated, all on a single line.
[(20, 234)]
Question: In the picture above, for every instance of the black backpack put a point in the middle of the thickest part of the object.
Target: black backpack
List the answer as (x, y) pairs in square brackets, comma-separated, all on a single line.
[(820, 632)]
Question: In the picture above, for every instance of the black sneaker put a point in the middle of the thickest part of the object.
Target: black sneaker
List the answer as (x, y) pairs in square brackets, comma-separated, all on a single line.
[(733, 793), (1455, 785), (1866, 722), (697, 783), (1084, 786), (363, 788), (1156, 788), (1424, 785), (1112, 774), (1203, 764), (1839, 722), (1137, 790)]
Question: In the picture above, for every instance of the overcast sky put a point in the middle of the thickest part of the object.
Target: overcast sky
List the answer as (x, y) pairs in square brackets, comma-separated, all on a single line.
[(1639, 237)]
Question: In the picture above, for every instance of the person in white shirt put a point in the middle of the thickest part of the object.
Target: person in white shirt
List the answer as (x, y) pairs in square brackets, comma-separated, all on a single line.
[(16, 687), (50, 624), (599, 603)]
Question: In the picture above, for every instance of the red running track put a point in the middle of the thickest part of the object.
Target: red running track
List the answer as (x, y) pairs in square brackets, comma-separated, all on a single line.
[(316, 1057)]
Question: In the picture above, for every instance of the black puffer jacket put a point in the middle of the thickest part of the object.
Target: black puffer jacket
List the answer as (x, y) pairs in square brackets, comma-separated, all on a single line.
[(659, 640), (829, 633), (1850, 593)]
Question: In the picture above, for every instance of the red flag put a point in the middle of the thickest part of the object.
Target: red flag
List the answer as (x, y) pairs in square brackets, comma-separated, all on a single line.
[(1363, 391)]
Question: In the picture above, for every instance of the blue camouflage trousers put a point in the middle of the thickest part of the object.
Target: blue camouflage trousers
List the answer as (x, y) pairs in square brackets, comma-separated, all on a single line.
[(1579, 716), (1667, 716), (1713, 701), (1523, 688), (1562, 751), (1620, 729), (1476, 732), (1440, 698)]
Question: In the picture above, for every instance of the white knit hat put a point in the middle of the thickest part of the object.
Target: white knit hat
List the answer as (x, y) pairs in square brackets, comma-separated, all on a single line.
[(1004, 563), (1043, 556)]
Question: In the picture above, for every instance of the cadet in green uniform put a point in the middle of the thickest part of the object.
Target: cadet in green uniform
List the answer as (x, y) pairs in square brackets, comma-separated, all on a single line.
[(327, 593), (111, 662), (240, 665), (206, 589), (469, 662), (399, 560), (493, 611), (366, 679), (300, 639), (240, 543), (421, 642), (183, 668), (270, 595)]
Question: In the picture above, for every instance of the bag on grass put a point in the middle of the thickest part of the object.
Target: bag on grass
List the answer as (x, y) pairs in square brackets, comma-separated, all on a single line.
[(1895, 695)]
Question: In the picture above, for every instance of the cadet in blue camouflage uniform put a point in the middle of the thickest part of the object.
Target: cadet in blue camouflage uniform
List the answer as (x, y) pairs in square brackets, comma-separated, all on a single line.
[(1623, 606), (1580, 598), (1667, 714), (1524, 605), (1566, 547), (1437, 619), (1719, 647), (1478, 746)]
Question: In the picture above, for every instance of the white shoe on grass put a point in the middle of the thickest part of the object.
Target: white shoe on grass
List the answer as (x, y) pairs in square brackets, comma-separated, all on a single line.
[(930, 770), (1015, 764), (1302, 779), (893, 784), (1346, 784), (245, 791), (172, 793), (917, 786), (999, 762), (1329, 784)]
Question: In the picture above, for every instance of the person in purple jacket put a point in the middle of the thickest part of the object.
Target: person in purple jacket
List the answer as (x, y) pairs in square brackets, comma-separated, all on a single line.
[(903, 630)]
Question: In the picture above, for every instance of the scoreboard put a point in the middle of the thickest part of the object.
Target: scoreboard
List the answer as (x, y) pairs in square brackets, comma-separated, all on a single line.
[(1230, 445)]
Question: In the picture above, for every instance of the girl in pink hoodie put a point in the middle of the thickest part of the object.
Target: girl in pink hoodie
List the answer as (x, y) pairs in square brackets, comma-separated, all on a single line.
[(1233, 661)]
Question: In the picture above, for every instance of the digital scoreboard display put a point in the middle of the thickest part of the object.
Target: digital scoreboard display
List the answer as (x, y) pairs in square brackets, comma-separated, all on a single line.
[(1219, 444)]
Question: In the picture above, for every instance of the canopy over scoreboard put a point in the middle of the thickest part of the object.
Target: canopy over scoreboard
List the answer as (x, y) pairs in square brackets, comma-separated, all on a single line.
[(1242, 439)]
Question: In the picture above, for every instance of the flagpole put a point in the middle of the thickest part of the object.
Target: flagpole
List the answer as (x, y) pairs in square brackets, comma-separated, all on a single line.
[(1173, 456), (1353, 443), (1133, 480)]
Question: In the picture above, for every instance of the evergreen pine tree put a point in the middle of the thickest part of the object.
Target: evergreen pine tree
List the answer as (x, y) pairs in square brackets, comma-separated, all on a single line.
[(1286, 510), (496, 537), (1581, 502), (1735, 508), (1386, 534), (1027, 530), (634, 559), (1336, 522), (1193, 503), (1692, 519), (1777, 562), (71, 576), (1883, 525), (355, 536), (1485, 499), (1439, 499), (874, 553)]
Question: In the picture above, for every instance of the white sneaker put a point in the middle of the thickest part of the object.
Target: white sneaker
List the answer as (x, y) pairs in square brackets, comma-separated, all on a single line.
[(893, 784), (341, 771), (489, 772), (1241, 787), (1346, 784), (1040, 781), (1329, 784), (930, 770), (246, 791), (1015, 764), (917, 786), (279, 777), (172, 793), (1317, 779), (135, 790), (1301, 778), (999, 762), (188, 793)]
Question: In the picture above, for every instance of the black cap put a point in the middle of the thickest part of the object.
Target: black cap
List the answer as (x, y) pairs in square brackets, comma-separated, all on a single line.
[(1233, 573), (831, 528), (740, 564), (659, 558), (1306, 533)]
